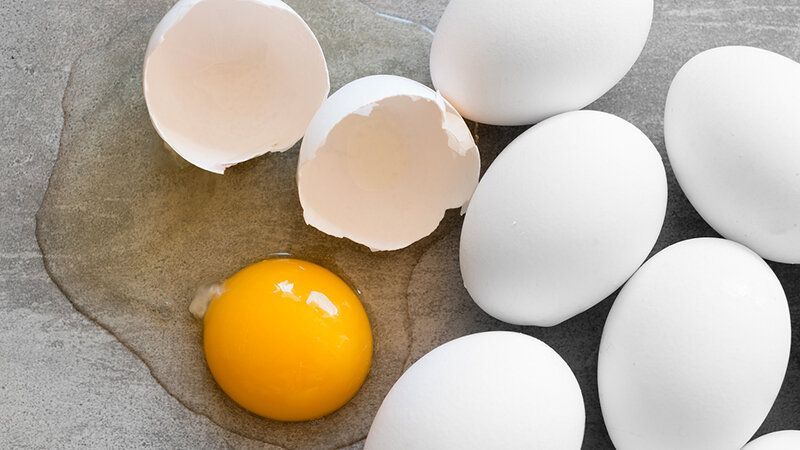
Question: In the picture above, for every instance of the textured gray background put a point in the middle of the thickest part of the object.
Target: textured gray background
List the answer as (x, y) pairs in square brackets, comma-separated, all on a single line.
[(65, 382)]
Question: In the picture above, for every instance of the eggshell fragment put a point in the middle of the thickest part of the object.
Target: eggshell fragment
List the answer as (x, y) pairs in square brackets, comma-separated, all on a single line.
[(382, 160), (565, 214), (486, 390), (518, 62), (779, 440), (732, 129), (694, 350), (226, 81)]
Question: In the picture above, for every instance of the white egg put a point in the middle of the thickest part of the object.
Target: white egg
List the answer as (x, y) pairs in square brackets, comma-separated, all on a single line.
[(694, 349), (487, 390), (565, 214), (226, 81), (779, 440), (518, 62), (382, 160), (732, 129)]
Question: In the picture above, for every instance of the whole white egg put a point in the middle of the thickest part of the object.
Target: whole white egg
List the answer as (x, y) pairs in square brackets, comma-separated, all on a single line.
[(518, 62), (694, 349), (779, 440), (565, 214), (732, 129), (487, 390)]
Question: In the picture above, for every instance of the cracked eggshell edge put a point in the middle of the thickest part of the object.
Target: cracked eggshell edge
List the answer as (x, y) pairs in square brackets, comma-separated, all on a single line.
[(170, 19), (361, 97)]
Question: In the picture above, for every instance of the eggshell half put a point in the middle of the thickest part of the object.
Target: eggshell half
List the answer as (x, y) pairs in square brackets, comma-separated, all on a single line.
[(732, 129), (382, 160), (694, 350), (487, 390), (779, 440), (518, 62), (565, 214), (226, 81)]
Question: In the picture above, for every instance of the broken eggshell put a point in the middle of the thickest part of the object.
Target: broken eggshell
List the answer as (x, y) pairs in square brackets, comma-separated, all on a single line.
[(225, 81), (382, 160)]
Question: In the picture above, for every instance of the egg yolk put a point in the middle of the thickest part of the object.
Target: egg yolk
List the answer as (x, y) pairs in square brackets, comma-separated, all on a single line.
[(288, 340)]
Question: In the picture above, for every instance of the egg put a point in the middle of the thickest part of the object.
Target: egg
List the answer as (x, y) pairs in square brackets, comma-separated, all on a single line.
[(286, 339), (226, 81), (486, 390), (732, 135), (565, 214), (694, 350), (381, 162), (518, 62), (779, 440)]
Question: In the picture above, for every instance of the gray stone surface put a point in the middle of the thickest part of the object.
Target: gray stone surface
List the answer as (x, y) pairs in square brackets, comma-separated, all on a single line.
[(65, 382)]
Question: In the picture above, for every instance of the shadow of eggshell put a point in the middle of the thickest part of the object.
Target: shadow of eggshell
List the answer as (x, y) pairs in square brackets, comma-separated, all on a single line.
[(129, 230)]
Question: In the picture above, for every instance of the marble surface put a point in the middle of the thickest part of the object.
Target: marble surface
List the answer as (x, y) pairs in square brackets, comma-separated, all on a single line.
[(66, 382)]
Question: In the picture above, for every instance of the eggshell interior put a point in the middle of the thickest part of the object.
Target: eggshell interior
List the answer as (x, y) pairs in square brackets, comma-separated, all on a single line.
[(732, 130), (779, 440), (382, 161), (487, 390), (226, 81), (565, 214), (694, 350), (518, 62)]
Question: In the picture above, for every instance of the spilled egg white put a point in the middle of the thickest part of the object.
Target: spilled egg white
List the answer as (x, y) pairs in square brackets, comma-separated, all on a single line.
[(486, 390), (381, 162), (565, 214), (226, 81), (732, 129), (518, 62), (694, 350)]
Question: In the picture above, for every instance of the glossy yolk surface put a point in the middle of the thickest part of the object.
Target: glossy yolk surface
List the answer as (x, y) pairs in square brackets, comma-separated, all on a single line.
[(288, 340)]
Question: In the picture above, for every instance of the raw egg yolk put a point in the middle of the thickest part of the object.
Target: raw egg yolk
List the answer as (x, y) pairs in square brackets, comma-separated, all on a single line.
[(288, 340)]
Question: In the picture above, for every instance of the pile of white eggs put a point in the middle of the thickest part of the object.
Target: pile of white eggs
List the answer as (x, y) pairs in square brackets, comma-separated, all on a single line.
[(697, 343)]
